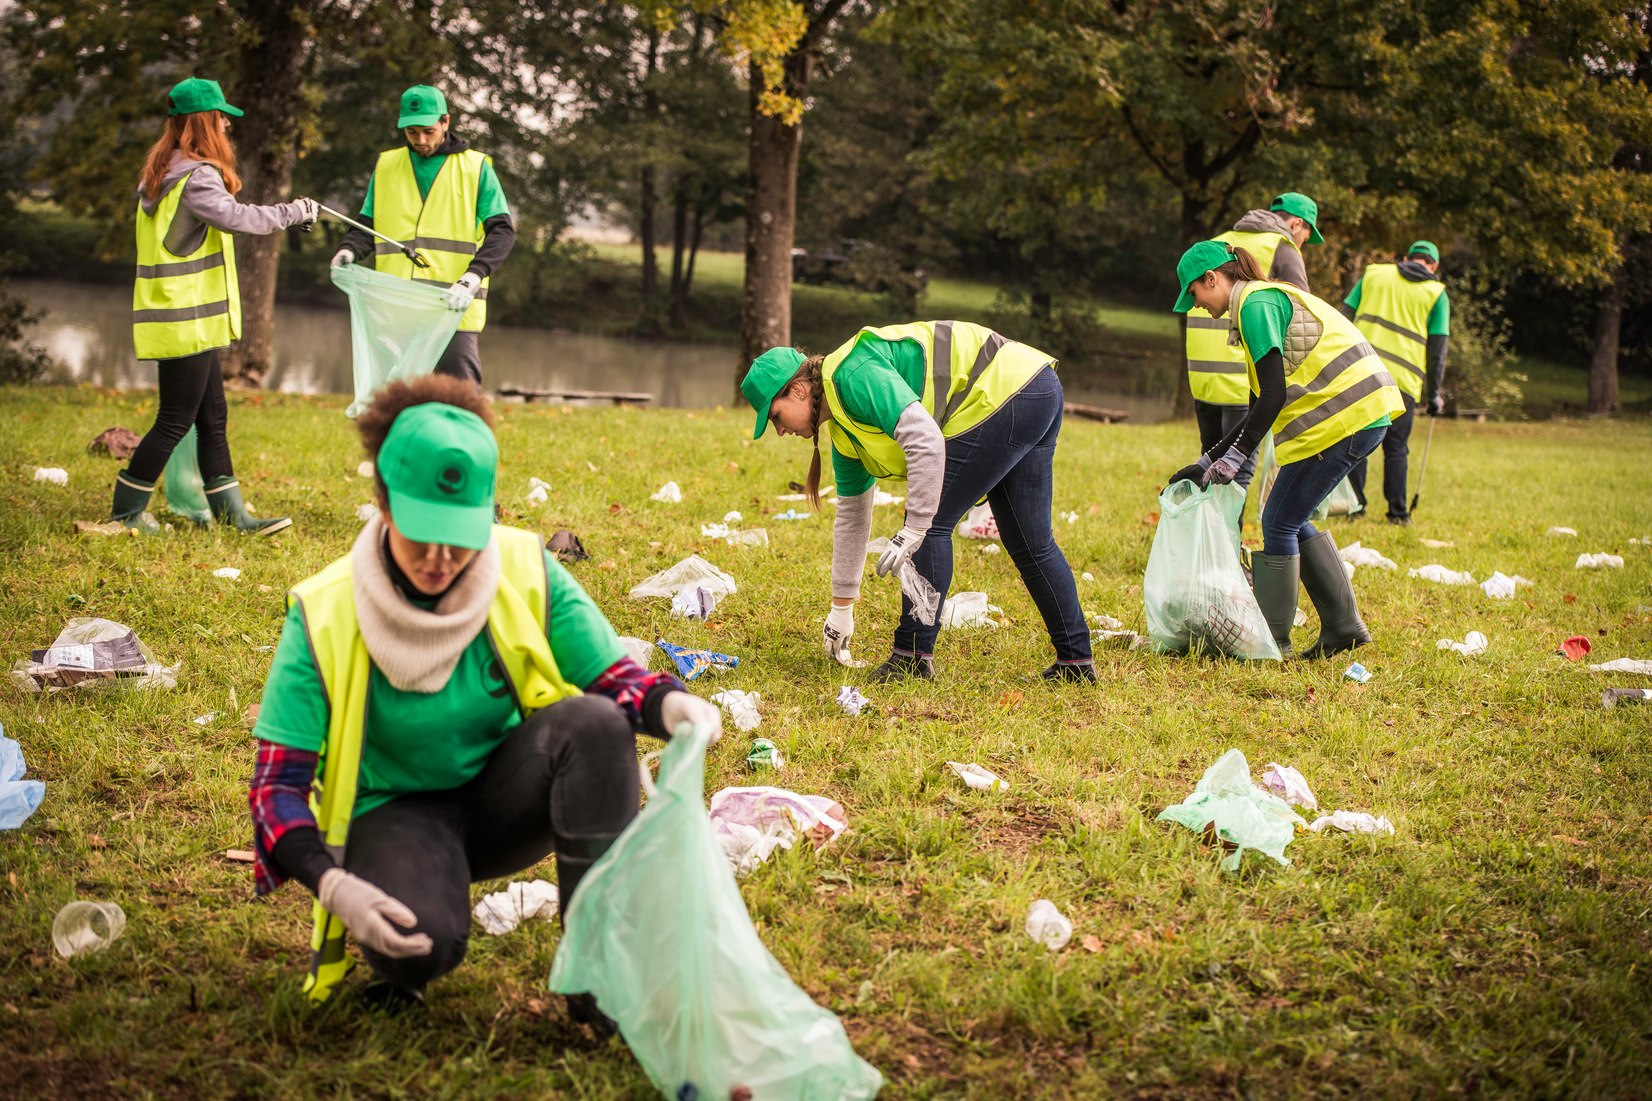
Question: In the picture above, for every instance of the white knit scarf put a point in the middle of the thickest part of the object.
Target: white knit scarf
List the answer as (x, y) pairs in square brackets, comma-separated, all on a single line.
[(416, 650)]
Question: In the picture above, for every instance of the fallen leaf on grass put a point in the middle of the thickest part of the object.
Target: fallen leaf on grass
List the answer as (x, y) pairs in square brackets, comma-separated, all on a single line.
[(1568, 840), (95, 842), (1091, 942), (1095, 510), (1311, 697), (912, 1061), (609, 565), (615, 507), (1148, 519), (1010, 699), (252, 712), (1570, 598), (536, 1006)]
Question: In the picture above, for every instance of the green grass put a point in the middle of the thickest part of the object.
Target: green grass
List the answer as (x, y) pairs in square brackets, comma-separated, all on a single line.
[(1496, 946)]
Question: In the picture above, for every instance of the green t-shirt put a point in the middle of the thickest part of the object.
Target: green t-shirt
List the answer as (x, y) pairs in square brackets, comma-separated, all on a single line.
[(876, 382), (490, 197), (1264, 319), (1439, 318), (440, 740)]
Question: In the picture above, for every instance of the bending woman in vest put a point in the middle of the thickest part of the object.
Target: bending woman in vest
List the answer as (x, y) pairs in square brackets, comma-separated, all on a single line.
[(186, 301), (460, 704), (961, 413), (1322, 391)]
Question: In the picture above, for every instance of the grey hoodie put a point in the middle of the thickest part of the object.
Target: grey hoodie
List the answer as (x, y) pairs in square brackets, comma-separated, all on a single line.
[(1287, 259), (207, 202)]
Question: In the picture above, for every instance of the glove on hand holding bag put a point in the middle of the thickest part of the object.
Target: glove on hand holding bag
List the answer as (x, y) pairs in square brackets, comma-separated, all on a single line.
[(902, 546), (461, 294), (685, 707)]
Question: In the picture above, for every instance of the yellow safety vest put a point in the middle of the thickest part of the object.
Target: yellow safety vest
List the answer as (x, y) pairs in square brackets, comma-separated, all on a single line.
[(182, 305), (1393, 315), (1215, 369), (442, 225), (516, 628), (971, 372), (1337, 387)]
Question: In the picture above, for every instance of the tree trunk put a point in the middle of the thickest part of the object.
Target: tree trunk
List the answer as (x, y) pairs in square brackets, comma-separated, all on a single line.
[(1603, 365), (1182, 408), (645, 232), (271, 76), (771, 218), (693, 248), (679, 243)]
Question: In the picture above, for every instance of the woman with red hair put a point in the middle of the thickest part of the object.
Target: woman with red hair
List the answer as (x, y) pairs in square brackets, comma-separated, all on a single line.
[(186, 301)]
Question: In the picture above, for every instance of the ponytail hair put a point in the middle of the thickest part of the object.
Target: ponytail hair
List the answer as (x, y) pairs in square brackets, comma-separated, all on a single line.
[(809, 376), (1242, 268)]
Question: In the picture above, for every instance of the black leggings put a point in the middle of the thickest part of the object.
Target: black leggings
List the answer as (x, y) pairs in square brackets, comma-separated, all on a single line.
[(565, 781), (192, 393)]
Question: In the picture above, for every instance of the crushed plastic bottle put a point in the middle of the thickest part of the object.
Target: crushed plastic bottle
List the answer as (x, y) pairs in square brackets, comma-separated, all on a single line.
[(1047, 926)]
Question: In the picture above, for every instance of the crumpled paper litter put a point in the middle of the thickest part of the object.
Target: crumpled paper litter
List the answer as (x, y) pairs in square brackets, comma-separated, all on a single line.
[(977, 777), (503, 911), (1473, 644), (1442, 575), (1289, 785), (671, 493), (741, 706), (1352, 821), (750, 823)]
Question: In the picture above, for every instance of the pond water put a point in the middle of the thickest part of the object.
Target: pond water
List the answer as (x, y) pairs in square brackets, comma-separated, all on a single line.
[(89, 330)]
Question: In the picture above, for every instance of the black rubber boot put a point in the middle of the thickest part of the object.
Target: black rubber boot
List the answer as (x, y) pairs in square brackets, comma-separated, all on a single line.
[(1274, 579), (391, 998), (904, 667), (131, 501), (1071, 672), (1340, 627), (583, 1009), (224, 495)]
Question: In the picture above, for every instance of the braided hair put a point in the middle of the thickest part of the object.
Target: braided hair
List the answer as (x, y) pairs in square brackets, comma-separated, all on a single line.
[(809, 375)]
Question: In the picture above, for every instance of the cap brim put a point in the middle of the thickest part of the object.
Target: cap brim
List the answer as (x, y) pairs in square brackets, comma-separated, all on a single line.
[(228, 110), (1313, 235), (469, 526), (417, 120), (1184, 303), (762, 421)]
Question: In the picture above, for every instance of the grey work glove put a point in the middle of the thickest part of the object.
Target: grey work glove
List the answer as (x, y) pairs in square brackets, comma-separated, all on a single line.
[(310, 212), (902, 546), (839, 629), (462, 293), (368, 912), (685, 707), (1225, 469), (1436, 407), (343, 258)]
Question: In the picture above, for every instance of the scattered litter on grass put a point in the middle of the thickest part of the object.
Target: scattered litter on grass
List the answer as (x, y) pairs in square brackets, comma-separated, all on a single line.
[(1500, 586), (1644, 542), (1047, 926), (111, 527), (731, 517), (1289, 785), (850, 699), (1600, 561), (639, 651), (791, 514), (1438, 573), (696, 603), (991, 548), (364, 469), (764, 754), (1120, 639), (117, 443), (56, 475), (976, 777), (1088, 576), (691, 663), (716, 531), (926, 602), (1357, 673), (241, 856), (503, 911), (878, 545), (1091, 942), (671, 493), (228, 573), (538, 495), (879, 497), (19, 798), (979, 523), (1107, 622), (751, 537), (1623, 665), (1300, 619), (1562, 531), (567, 547), (1355, 555), (1353, 821), (790, 497), (742, 708), (1574, 648), (968, 610), (1232, 810), (97, 653), (1614, 696), (1473, 643), (207, 719), (81, 927), (686, 574), (1437, 544), (1070, 517), (365, 513), (750, 823)]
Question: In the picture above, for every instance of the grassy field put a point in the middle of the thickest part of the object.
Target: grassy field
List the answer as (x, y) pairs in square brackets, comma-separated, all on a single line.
[(1493, 947)]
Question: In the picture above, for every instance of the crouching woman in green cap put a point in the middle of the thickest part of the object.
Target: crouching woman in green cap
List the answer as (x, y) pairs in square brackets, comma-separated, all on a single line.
[(1324, 393), (961, 413), (446, 705), (186, 300)]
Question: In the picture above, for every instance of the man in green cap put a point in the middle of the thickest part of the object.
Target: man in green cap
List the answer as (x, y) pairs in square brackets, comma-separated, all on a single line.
[(1215, 368), (1404, 312), (439, 195)]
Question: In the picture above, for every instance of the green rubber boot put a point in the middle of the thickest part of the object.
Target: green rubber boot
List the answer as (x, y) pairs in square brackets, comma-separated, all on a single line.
[(1340, 627), (131, 501), (1274, 580), (224, 495)]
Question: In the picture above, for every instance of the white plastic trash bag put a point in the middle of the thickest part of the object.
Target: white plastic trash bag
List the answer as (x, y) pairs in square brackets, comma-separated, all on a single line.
[(1194, 588), (690, 573), (742, 708), (399, 328)]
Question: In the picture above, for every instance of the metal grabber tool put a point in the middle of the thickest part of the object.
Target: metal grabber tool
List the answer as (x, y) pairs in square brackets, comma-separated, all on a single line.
[(1423, 469), (407, 250)]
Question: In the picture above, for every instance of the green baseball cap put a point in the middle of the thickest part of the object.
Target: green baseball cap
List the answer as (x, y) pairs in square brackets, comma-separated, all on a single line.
[(769, 374), (192, 95), (1193, 264), (439, 463), (1426, 247), (1294, 202), (422, 105)]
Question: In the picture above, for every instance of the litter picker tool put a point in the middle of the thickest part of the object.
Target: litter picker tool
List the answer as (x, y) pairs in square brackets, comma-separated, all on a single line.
[(1423, 469), (408, 250)]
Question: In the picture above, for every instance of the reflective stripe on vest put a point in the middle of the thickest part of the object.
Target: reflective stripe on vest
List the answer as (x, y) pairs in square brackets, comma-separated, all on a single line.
[(1339, 387), (1393, 315), (442, 225), (516, 630), (1215, 368), (182, 305), (972, 371)]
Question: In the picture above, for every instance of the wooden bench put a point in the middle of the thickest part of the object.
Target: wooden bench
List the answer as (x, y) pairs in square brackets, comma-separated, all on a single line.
[(1479, 415), (1096, 413), (617, 397)]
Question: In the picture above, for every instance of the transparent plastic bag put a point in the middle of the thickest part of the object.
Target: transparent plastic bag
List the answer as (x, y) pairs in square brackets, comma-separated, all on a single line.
[(659, 933), (399, 328), (692, 572), (185, 491), (1341, 501), (1195, 591), (1241, 815), (926, 601)]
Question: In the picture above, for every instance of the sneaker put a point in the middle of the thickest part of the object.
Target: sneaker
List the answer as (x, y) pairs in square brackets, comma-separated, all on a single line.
[(391, 998), (1400, 521), (583, 1009), (898, 667), (1071, 672)]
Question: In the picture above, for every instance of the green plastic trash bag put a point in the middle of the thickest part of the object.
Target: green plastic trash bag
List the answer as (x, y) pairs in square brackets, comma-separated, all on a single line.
[(1242, 813), (659, 934), (1341, 501), (399, 328), (185, 491), (1195, 590)]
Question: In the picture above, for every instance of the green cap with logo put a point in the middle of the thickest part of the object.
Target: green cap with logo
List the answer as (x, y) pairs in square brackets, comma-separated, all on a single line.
[(1294, 202), (1193, 264), (422, 105), (1426, 248), (438, 464), (769, 374), (190, 96)]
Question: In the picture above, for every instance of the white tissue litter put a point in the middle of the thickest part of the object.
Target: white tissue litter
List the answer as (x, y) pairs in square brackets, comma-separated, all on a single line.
[(1352, 821), (696, 603), (979, 523), (671, 493), (716, 531), (1501, 586), (1088, 576), (750, 823), (538, 495), (991, 548), (731, 517), (365, 513), (207, 719), (229, 573), (1047, 926), (741, 707), (1356, 555), (879, 497), (1562, 531), (1436, 572), (687, 574), (1473, 644), (1599, 562), (1289, 784), (503, 911), (977, 777), (1300, 619), (364, 469), (639, 651), (1624, 665), (56, 475), (968, 610), (850, 699), (790, 497), (1107, 622), (1070, 517)]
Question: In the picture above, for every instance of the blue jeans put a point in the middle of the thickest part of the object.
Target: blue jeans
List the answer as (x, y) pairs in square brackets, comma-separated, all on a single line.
[(1302, 485), (1006, 459)]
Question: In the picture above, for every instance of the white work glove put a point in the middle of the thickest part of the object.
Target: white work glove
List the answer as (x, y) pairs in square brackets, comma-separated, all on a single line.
[(343, 258), (367, 912), (310, 211), (685, 707), (902, 547), (1437, 406), (839, 629), (461, 294)]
